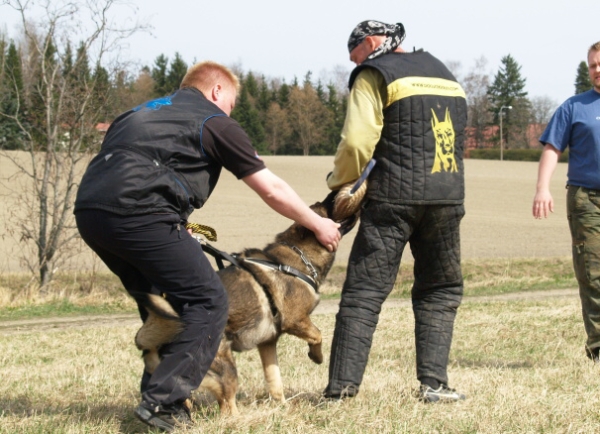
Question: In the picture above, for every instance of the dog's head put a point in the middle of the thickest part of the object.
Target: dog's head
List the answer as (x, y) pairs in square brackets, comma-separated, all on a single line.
[(336, 207)]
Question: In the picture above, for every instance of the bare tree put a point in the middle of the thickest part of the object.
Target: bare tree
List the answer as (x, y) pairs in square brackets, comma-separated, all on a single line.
[(309, 114), (475, 84), (542, 108), (455, 67), (338, 77), (277, 127), (64, 101)]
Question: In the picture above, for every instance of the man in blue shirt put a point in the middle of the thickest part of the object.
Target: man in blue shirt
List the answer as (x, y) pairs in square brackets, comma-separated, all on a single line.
[(576, 125)]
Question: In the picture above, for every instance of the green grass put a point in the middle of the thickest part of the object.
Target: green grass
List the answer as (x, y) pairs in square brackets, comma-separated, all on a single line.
[(62, 308), (484, 277), (102, 293)]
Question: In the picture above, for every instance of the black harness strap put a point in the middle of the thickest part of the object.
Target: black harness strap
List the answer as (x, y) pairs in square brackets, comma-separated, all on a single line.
[(220, 256), (285, 269), (234, 260)]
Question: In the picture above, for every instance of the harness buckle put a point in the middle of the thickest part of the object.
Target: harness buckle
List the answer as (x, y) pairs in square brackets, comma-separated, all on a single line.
[(285, 268)]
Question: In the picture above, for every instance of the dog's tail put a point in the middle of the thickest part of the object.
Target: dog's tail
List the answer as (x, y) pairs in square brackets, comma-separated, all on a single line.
[(156, 304), (160, 327)]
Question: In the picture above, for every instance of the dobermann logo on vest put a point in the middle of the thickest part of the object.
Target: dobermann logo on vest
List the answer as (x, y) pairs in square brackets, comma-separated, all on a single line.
[(154, 104), (444, 144)]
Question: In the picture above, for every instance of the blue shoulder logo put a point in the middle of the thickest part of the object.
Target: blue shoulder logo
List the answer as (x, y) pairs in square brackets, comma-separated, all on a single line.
[(154, 104)]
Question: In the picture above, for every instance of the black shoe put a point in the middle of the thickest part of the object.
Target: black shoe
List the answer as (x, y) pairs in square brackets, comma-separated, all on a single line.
[(347, 392), (166, 418), (594, 354), (441, 394)]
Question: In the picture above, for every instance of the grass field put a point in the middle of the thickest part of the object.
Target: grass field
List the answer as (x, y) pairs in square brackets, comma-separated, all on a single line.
[(520, 361), (498, 223)]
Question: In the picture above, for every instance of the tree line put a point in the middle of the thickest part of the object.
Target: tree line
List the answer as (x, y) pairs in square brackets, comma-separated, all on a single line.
[(504, 95), (297, 118)]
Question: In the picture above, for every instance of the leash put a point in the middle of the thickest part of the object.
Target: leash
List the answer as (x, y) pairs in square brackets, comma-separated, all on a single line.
[(207, 231)]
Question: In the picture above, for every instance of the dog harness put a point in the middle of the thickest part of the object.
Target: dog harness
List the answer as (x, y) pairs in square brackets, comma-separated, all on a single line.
[(312, 281), (221, 256)]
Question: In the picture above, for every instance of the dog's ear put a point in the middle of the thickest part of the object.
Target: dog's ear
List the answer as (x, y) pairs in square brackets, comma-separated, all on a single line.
[(293, 233)]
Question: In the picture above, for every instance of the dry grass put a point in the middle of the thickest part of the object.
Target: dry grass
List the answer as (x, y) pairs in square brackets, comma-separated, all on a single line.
[(498, 223), (87, 292), (521, 363)]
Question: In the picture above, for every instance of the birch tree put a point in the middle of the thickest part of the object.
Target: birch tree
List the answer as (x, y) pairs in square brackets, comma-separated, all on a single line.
[(62, 104)]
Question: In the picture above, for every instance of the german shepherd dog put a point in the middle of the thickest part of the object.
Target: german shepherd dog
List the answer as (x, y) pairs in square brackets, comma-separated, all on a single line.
[(265, 301)]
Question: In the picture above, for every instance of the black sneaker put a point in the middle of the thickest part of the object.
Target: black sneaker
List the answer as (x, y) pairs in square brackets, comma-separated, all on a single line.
[(441, 394), (162, 417), (594, 354), (347, 392)]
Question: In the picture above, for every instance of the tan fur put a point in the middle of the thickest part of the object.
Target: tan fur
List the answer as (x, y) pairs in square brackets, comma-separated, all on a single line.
[(263, 304), (158, 330)]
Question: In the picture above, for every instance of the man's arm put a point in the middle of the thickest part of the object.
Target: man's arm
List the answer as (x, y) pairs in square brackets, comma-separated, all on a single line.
[(362, 128), (543, 201), (277, 193)]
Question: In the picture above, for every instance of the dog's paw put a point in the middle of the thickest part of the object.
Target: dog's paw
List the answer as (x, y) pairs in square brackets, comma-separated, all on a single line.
[(315, 354)]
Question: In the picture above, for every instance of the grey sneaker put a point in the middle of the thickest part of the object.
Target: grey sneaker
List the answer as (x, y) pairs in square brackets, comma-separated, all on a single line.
[(164, 418), (441, 394)]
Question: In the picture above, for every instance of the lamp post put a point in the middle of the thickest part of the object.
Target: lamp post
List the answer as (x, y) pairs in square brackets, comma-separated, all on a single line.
[(509, 107)]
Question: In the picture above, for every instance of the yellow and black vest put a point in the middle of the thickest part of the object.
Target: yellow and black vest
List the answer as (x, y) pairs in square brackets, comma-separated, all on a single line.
[(420, 152)]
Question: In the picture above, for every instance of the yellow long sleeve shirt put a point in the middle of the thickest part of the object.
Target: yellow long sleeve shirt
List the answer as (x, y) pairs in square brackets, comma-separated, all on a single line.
[(362, 128)]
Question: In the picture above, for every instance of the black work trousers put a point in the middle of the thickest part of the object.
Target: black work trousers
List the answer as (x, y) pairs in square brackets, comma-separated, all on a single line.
[(154, 253), (433, 234)]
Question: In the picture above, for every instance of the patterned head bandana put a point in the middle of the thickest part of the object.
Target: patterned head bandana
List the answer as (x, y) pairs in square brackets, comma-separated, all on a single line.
[(395, 35)]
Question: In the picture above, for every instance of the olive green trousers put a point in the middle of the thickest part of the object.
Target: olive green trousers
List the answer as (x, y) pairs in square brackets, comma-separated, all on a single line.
[(583, 213)]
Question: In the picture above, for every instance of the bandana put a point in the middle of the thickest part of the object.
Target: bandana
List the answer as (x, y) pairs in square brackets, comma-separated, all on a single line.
[(395, 35)]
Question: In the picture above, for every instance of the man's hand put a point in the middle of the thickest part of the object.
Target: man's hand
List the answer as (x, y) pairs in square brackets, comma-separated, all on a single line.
[(542, 204), (328, 234)]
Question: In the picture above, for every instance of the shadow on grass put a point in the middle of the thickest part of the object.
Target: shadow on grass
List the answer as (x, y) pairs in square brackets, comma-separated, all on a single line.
[(494, 364), (82, 414)]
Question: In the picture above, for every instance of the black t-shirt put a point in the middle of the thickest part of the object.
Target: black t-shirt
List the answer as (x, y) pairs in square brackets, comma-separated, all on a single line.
[(224, 140)]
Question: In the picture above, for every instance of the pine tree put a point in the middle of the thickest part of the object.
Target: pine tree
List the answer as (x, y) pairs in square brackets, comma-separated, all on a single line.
[(582, 80), (283, 95), (249, 118), (508, 89), (264, 99), (335, 106), (177, 71), (159, 75), (11, 103), (81, 68), (67, 66), (508, 84), (251, 85)]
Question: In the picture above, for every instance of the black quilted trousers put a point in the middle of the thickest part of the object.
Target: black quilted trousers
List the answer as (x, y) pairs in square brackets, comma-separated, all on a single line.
[(434, 237)]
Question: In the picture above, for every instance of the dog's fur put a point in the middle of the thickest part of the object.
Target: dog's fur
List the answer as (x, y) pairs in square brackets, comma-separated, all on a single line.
[(263, 304)]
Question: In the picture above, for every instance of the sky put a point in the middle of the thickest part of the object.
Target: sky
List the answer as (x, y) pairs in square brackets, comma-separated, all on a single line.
[(286, 39)]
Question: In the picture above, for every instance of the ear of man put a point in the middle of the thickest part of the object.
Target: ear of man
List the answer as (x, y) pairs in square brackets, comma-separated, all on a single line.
[(374, 41), (216, 92)]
